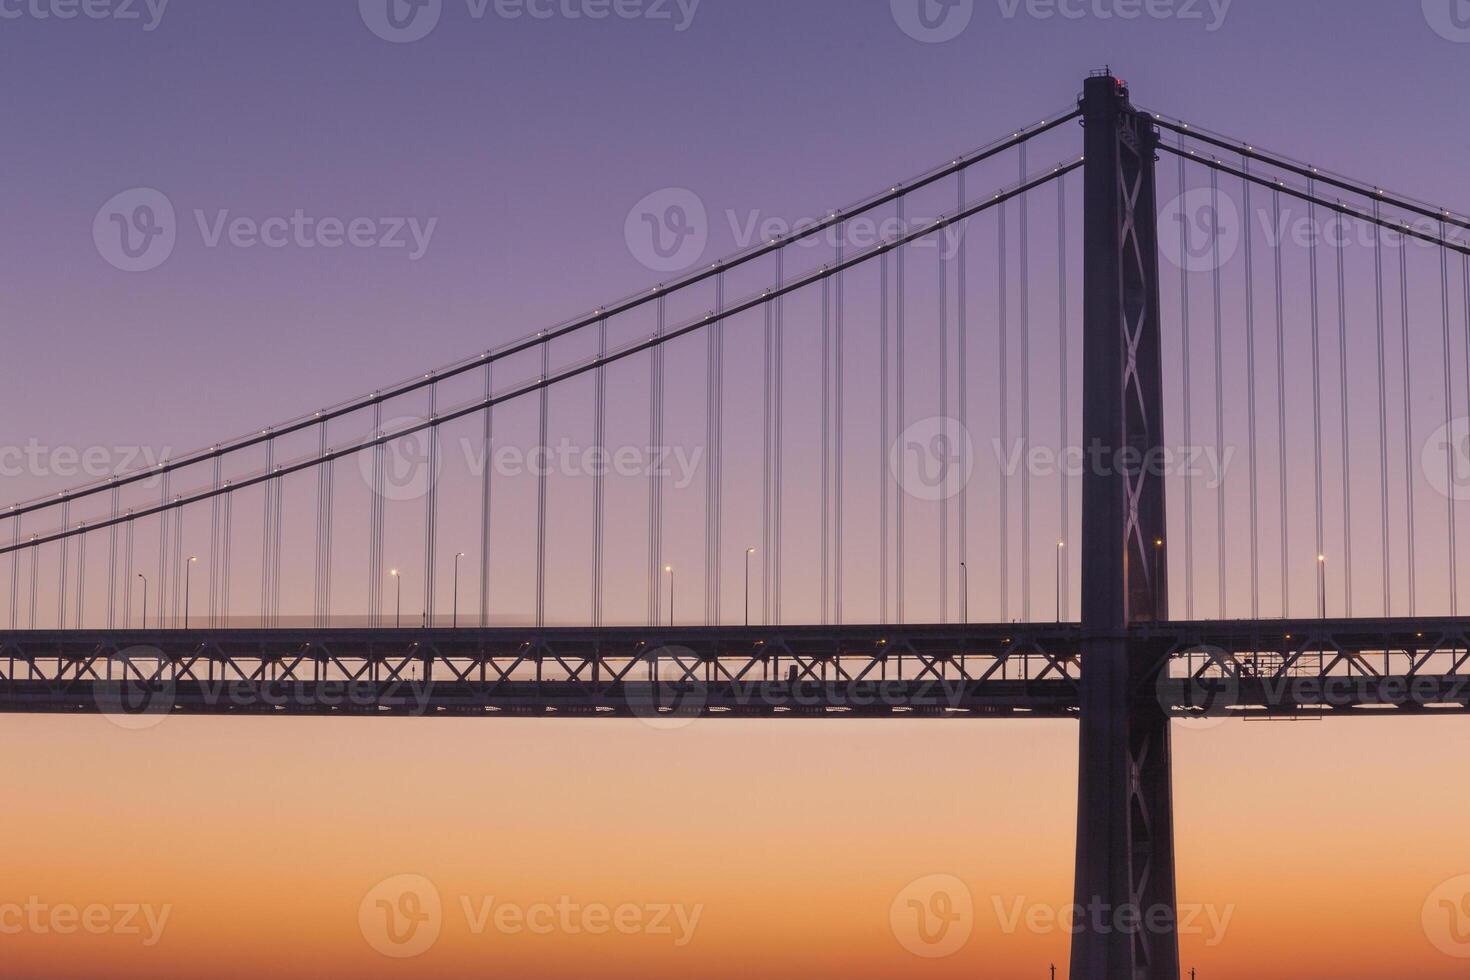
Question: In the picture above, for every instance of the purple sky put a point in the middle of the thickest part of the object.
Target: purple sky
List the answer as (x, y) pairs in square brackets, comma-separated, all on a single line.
[(524, 143)]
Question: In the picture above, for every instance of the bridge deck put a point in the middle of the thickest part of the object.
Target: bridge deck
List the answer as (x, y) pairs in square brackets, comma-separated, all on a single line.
[(1245, 668)]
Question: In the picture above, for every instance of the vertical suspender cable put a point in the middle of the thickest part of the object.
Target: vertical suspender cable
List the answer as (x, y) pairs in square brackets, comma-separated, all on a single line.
[(112, 563), (1250, 357), (1219, 400), (885, 449), (1025, 260), (1382, 416), (1064, 487), (267, 536), (128, 575), (838, 409), (1003, 391), (778, 451), (963, 378), (717, 450), (1281, 414), (1316, 364), (825, 458), (768, 469), (61, 565), (35, 572), (901, 421), (81, 574), (1188, 415), (1347, 466), (487, 472), (431, 502), (599, 487), (15, 577), (1449, 416), (947, 476), (1408, 423), (541, 487)]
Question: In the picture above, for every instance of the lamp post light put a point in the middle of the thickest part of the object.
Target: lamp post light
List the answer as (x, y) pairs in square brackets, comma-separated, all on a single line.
[(748, 553), (670, 570), (1158, 579), (188, 577), (454, 622), (398, 607), (145, 599)]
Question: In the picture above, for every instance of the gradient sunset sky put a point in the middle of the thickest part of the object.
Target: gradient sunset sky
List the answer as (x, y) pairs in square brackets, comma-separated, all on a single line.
[(528, 142)]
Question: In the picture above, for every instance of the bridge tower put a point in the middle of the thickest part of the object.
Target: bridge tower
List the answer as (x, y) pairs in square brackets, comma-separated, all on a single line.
[(1125, 895)]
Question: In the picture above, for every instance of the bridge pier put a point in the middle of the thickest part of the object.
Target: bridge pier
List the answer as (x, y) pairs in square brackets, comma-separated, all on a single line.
[(1125, 895)]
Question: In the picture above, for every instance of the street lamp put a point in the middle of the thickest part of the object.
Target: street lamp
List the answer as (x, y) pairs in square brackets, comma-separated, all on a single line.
[(454, 623), (145, 599), (1061, 547), (398, 610), (670, 570), (748, 553), (188, 569), (1158, 579)]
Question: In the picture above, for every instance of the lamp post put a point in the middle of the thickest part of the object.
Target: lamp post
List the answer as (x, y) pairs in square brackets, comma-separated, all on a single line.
[(1158, 579), (454, 623), (748, 553), (670, 570), (188, 577), (145, 599), (398, 607)]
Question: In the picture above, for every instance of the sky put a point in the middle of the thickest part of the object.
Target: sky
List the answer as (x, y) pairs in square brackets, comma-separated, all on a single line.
[(497, 171)]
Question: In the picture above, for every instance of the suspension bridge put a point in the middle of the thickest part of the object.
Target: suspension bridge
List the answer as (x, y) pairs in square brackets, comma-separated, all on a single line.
[(850, 522)]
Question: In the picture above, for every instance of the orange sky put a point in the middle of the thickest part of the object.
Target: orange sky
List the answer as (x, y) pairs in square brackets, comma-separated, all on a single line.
[(1321, 841)]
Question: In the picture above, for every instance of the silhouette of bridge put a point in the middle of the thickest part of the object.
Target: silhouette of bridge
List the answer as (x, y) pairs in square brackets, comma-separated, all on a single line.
[(1123, 669)]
